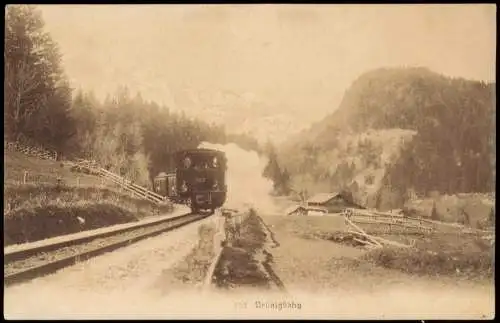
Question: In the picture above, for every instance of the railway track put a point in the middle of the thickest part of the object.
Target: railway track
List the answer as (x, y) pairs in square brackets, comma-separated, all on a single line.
[(27, 264)]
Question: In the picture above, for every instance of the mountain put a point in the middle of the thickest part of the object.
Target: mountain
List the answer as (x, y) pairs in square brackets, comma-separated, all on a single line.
[(400, 132), (244, 113)]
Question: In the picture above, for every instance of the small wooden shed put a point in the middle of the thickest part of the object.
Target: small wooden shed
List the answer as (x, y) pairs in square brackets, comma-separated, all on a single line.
[(333, 202)]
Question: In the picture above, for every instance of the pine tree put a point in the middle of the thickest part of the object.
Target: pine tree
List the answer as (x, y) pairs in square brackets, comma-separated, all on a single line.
[(285, 178), (272, 169), (434, 213), (37, 95)]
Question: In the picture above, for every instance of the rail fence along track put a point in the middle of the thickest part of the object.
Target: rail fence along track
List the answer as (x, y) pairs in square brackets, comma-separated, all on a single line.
[(91, 166), (124, 183)]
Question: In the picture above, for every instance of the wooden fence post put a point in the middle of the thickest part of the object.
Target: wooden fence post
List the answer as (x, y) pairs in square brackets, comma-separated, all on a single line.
[(237, 224), (25, 177), (219, 233)]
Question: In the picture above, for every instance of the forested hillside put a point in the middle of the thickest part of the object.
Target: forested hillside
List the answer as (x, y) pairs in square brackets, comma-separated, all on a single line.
[(125, 133), (140, 136), (450, 149)]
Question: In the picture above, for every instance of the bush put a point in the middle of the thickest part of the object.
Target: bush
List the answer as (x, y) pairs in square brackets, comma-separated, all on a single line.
[(472, 258)]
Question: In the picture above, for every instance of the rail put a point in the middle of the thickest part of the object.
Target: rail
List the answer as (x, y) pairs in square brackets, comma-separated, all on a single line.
[(29, 263)]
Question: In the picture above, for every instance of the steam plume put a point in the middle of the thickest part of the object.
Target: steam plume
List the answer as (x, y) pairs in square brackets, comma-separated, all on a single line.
[(246, 186)]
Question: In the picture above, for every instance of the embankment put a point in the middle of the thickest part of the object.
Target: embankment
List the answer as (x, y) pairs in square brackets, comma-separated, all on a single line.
[(39, 211)]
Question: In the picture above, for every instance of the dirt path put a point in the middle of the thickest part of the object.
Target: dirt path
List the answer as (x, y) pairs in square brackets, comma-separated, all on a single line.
[(324, 269)]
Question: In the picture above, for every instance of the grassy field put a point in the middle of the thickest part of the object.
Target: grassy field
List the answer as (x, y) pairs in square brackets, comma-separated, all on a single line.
[(452, 254), (45, 171), (44, 208), (447, 251)]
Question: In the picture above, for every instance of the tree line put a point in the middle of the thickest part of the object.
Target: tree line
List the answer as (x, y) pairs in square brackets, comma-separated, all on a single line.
[(124, 132)]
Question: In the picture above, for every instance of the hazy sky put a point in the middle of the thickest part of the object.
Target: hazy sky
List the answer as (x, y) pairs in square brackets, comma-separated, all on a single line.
[(269, 69)]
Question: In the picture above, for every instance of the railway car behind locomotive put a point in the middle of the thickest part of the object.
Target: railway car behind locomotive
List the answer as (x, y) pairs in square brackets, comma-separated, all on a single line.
[(199, 179)]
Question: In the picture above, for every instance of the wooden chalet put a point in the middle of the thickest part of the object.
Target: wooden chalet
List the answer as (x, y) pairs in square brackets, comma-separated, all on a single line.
[(324, 203), (331, 202)]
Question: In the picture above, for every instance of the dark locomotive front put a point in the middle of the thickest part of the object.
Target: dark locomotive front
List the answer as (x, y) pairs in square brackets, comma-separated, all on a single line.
[(200, 178)]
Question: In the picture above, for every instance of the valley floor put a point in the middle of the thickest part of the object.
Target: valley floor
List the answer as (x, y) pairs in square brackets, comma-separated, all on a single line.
[(325, 270)]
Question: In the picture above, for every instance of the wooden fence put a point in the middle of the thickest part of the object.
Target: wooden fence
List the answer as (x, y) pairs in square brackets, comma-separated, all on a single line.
[(92, 167), (388, 219), (30, 151), (407, 223), (124, 183), (232, 224)]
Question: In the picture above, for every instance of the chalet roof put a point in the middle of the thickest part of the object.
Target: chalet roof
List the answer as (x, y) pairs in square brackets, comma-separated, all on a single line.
[(322, 197), (293, 208)]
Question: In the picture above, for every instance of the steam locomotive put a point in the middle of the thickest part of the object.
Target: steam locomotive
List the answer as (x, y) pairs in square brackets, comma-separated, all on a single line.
[(199, 179)]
